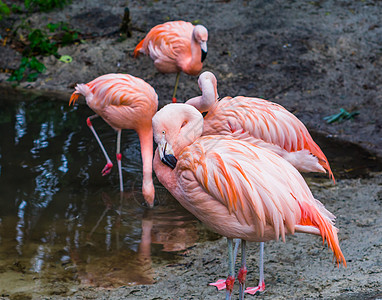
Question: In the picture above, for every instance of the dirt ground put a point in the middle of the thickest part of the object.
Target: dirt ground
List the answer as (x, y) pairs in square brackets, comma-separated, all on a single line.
[(312, 57)]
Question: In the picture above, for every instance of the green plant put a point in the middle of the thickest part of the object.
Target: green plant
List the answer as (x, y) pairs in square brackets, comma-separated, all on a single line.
[(66, 35), (4, 10), (40, 43), (45, 5), (32, 64)]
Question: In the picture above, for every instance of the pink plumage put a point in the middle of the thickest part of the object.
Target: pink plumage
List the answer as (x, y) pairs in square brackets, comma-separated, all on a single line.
[(175, 47), (267, 121), (236, 188), (124, 102)]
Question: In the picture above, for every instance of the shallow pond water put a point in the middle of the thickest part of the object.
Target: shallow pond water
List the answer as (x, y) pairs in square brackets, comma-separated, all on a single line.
[(63, 225), (61, 222)]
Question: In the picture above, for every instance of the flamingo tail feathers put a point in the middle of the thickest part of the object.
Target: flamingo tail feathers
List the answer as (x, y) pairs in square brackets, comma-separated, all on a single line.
[(138, 48), (322, 160), (81, 89), (319, 217)]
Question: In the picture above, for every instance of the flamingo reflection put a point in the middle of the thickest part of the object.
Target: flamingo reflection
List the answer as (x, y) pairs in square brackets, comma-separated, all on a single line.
[(168, 229)]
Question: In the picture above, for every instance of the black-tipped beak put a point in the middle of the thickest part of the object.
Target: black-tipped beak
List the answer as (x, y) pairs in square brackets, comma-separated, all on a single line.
[(204, 55), (203, 47), (166, 154), (169, 160)]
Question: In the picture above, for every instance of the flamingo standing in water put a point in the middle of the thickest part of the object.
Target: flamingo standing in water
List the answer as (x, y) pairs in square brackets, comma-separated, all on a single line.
[(272, 126), (236, 188), (124, 102), (175, 47)]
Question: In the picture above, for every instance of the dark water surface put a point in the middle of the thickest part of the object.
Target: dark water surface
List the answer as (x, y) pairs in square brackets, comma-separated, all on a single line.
[(62, 224)]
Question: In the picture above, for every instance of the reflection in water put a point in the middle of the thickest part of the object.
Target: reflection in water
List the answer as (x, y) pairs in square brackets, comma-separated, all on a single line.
[(61, 222), (20, 124), (20, 227)]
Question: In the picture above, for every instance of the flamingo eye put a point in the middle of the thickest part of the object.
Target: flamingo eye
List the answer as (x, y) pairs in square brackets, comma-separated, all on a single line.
[(184, 123), (163, 131)]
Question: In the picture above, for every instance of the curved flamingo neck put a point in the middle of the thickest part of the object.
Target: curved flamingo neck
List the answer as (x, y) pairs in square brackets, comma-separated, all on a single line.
[(193, 65), (207, 100)]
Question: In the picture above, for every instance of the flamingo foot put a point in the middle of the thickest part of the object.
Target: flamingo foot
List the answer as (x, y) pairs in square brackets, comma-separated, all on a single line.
[(106, 170), (173, 100), (254, 290), (220, 284)]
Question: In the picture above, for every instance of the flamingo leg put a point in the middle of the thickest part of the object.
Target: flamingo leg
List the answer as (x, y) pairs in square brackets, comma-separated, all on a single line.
[(231, 271), (106, 170), (119, 159), (176, 87), (261, 286), (220, 284), (242, 275)]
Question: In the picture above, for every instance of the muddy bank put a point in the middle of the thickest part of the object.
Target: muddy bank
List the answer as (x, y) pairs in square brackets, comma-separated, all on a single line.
[(311, 57)]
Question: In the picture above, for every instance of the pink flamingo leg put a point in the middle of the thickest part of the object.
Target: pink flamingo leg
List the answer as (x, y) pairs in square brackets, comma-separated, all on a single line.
[(119, 159), (242, 275), (231, 271), (176, 87), (261, 286), (220, 284), (106, 170)]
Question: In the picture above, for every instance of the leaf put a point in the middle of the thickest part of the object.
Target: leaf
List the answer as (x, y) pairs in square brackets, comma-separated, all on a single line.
[(52, 26), (32, 76), (4, 9), (66, 59)]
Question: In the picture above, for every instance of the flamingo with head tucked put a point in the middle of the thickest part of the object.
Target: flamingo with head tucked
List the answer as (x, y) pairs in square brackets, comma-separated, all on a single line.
[(175, 47), (236, 188), (280, 130), (269, 124), (124, 102)]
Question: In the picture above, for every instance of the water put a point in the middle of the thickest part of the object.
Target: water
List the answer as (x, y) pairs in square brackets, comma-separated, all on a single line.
[(63, 225)]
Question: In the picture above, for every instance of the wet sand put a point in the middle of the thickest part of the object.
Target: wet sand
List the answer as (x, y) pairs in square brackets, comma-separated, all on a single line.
[(311, 57)]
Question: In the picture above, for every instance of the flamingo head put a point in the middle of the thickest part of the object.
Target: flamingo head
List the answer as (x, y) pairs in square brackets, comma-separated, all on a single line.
[(176, 126), (201, 36), (148, 192)]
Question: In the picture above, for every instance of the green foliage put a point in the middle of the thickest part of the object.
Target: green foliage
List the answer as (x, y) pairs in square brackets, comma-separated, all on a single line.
[(40, 43), (45, 5), (68, 36), (28, 64), (16, 9), (4, 10)]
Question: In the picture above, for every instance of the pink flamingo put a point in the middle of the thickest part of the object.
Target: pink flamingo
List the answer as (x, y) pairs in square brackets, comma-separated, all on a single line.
[(236, 188), (281, 131), (175, 47), (272, 126), (124, 102)]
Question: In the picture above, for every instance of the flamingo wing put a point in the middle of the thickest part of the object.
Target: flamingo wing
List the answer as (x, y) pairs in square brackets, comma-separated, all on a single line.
[(255, 185), (252, 183), (122, 100), (264, 120)]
